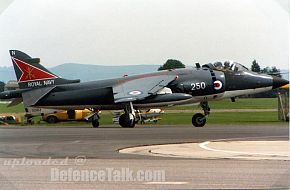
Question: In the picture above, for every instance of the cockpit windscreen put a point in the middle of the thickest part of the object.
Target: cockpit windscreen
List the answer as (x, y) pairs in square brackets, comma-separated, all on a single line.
[(233, 66)]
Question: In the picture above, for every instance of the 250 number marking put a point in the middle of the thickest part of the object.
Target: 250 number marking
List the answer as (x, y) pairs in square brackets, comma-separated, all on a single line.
[(198, 86)]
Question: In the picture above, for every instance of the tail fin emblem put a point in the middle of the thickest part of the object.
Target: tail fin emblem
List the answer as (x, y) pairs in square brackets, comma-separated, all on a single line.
[(31, 73)]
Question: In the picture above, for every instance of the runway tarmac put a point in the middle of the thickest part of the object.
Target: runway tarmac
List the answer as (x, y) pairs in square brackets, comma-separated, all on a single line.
[(95, 149)]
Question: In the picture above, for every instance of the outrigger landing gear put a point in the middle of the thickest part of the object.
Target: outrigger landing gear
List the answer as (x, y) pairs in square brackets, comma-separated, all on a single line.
[(94, 118), (199, 119), (95, 121), (127, 120)]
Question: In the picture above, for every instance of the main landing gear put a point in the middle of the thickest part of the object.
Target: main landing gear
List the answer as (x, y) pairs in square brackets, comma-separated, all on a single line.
[(199, 119), (127, 120)]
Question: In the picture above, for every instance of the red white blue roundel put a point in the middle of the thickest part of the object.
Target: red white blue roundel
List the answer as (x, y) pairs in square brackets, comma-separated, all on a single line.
[(217, 85), (135, 92)]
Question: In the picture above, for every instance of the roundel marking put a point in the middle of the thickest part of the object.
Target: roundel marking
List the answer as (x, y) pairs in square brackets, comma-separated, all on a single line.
[(217, 85), (135, 92)]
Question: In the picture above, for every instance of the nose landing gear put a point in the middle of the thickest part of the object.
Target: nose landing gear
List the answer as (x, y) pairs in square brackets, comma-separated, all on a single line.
[(199, 119)]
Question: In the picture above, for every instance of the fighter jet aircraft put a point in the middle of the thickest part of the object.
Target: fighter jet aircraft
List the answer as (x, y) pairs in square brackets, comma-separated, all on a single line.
[(41, 88)]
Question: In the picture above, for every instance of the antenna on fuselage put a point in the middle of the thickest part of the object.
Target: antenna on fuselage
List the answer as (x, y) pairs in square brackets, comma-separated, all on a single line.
[(197, 65)]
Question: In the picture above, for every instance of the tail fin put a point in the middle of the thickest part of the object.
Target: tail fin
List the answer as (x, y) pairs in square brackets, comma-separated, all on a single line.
[(31, 74)]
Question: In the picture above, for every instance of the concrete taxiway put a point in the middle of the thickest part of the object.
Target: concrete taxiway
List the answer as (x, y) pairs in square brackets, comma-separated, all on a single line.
[(84, 148), (270, 148)]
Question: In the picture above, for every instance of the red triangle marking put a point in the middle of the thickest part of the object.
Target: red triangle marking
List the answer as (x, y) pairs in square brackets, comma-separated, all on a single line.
[(31, 73)]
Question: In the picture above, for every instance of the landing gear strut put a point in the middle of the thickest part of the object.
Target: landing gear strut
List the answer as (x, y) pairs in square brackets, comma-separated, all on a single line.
[(94, 118), (95, 121), (199, 119), (127, 120)]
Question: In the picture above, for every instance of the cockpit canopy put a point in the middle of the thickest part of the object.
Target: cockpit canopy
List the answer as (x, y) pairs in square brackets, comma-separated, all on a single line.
[(232, 66)]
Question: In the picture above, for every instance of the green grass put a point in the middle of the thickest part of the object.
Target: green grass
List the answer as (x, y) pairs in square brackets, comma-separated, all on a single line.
[(15, 109), (222, 118), (214, 118), (241, 103), (185, 118)]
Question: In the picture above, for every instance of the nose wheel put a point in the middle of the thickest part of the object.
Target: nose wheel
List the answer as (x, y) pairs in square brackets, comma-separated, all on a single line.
[(199, 119)]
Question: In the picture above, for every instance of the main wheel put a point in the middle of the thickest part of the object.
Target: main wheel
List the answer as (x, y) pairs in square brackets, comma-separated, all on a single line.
[(198, 120), (127, 120), (95, 123)]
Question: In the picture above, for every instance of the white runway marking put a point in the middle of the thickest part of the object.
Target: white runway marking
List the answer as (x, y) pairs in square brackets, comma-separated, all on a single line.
[(204, 146)]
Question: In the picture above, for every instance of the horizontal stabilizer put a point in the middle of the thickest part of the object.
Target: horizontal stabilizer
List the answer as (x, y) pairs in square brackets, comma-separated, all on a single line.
[(30, 98)]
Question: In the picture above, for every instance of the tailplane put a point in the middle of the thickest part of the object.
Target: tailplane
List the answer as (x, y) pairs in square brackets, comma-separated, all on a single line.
[(31, 74)]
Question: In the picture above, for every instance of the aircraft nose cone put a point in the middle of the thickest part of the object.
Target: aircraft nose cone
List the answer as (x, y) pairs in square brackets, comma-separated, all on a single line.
[(278, 82)]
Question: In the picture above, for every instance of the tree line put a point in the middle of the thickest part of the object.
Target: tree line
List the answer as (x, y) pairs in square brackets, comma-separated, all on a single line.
[(267, 70)]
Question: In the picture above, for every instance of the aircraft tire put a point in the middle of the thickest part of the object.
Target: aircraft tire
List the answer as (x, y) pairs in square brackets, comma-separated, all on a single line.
[(51, 119), (95, 123), (198, 120), (127, 120)]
